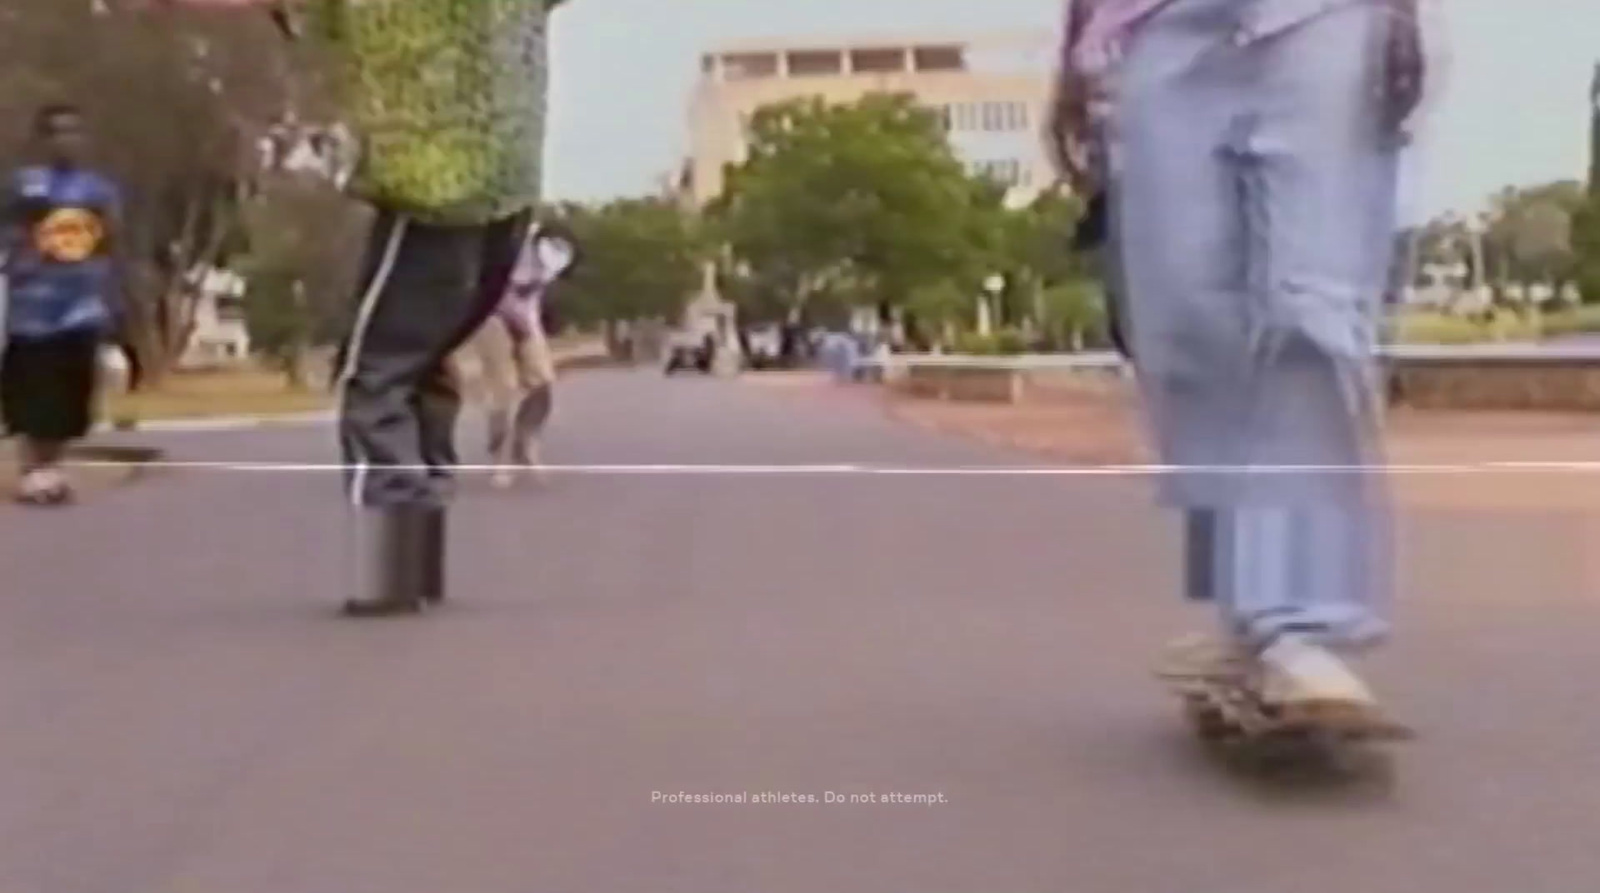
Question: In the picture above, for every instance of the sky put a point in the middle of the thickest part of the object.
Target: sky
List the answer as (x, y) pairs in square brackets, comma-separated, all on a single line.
[(1512, 107)]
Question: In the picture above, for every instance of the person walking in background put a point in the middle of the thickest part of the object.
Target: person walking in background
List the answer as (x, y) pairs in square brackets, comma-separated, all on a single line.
[(1255, 145), (60, 222), (512, 348)]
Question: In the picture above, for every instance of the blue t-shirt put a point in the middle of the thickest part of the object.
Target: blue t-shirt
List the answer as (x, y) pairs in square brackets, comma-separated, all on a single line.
[(58, 226)]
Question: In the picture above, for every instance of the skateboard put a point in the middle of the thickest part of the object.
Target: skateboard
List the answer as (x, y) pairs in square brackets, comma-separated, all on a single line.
[(1223, 706)]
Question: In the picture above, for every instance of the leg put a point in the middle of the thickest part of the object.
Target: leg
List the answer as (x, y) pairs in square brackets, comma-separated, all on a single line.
[(394, 415), (413, 297), (438, 407), (1177, 247), (1200, 555), (1320, 184), (47, 389), (426, 289), (1248, 256), (496, 356), (498, 253), (532, 414), (535, 373)]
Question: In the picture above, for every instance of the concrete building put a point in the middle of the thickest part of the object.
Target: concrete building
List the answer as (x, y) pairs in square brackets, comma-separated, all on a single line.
[(991, 93)]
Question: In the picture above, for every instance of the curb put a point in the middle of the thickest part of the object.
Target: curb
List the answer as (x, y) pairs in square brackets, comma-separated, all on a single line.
[(575, 363), (222, 423)]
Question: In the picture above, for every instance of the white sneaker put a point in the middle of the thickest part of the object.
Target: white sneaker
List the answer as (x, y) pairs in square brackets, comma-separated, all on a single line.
[(1300, 675), (43, 486)]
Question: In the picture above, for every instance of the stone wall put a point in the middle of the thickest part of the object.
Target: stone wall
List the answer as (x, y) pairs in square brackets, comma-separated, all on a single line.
[(1509, 381), (1499, 384)]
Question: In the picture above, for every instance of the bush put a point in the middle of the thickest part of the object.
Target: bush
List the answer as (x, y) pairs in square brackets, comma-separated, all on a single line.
[(1571, 321), (1431, 327), (1006, 342), (1074, 313)]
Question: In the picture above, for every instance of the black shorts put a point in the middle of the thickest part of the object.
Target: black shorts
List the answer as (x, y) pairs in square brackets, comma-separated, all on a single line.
[(47, 386)]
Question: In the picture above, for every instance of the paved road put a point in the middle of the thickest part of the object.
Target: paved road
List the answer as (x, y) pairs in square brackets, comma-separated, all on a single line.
[(182, 713)]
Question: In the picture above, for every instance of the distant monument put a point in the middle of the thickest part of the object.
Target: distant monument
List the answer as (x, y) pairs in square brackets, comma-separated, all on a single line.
[(708, 315)]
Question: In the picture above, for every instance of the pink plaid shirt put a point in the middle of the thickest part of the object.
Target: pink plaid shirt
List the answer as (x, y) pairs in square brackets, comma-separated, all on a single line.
[(1097, 30), (519, 307)]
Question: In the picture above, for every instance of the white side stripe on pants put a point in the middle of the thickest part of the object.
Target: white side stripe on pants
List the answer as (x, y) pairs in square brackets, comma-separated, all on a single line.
[(358, 336)]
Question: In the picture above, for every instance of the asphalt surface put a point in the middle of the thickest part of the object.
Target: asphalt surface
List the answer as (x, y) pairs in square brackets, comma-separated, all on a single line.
[(183, 713)]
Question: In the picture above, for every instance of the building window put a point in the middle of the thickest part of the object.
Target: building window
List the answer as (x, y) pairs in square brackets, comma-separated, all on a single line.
[(939, 59), (1007, 172), (992, 116), (882, 61), (965, 119), (750, 66), (811, 63)]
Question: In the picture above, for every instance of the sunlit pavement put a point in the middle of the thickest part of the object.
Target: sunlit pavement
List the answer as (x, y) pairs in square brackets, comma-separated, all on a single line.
[(183, 712)]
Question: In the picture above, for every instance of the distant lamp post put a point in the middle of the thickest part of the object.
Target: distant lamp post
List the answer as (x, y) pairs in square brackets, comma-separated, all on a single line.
[(1594, 132), (989, 303)]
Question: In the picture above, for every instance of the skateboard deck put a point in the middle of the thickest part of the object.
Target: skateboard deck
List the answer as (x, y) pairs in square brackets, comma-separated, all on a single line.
[(1224, 707)]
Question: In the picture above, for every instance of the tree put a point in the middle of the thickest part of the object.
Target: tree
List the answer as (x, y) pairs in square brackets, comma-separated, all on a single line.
[(641, 258), (1586, 249), (940, 308), (1586, 221), (859, 201), (1529, 239), (173, 99), (1073, 312), (1033, 253), (304, 241)]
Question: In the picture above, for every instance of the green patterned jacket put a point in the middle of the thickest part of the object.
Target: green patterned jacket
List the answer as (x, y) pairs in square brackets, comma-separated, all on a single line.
[(448, 99)]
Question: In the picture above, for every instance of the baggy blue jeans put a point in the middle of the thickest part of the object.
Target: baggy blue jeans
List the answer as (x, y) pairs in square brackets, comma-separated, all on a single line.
[(1255, 204)]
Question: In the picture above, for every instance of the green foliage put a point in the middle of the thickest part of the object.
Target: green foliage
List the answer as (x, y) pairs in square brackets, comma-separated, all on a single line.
[(641, 258), (1577, 320), (1586, 249), (862, 203), (461, 148), (1073, 312), (304, 244), (1530, 236), (1003, 342), (1035, 246), (1428, 327), (940, 304)]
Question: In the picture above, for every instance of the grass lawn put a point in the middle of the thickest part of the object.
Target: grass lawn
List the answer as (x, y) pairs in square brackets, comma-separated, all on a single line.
[(249, 392), (1418, 326), (196, 395)]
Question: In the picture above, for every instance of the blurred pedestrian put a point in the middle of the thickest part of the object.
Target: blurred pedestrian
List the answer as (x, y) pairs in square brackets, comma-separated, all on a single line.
[(513, 352), (60, 221)]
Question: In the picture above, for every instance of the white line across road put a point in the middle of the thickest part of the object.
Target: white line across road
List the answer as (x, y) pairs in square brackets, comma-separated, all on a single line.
[(853, 469)]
